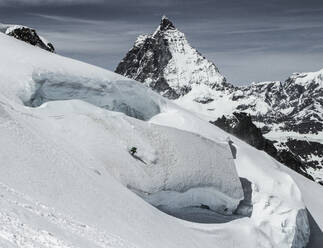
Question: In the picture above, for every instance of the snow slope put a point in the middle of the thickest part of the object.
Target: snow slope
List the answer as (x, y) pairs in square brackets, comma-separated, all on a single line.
[(67, 178), (65, 193)]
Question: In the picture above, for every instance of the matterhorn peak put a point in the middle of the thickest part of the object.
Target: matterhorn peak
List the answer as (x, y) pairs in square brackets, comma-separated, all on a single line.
[(166, 62), (166, 24)]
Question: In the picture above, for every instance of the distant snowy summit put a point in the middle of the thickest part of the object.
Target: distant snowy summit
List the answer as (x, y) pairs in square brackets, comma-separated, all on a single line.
[(167, 63), (28, 35), (289, 113)]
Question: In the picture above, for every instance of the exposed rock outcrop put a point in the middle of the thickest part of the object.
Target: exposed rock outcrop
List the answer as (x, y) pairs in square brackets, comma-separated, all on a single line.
[(241, 125), (27, 35)]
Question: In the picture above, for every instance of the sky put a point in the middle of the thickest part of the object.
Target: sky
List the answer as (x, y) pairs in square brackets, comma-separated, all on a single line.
[(248, 40)]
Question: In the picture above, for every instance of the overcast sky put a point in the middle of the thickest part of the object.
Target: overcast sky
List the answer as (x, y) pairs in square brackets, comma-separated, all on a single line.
[(249, 40)]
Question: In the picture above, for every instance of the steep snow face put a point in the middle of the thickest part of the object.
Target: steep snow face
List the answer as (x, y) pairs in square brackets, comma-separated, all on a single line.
[(167, 63), (165, 162), (267, 184), (186, 66), (28, 35), (67, 176), (116, 96)]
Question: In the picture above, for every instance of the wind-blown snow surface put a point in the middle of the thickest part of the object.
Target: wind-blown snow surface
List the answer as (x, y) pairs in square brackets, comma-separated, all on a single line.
[(67, 178)]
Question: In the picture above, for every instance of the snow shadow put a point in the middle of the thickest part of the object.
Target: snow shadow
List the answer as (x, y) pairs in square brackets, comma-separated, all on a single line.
[(199, 214), (138, 158), (316, 236), (245, 206), (203, 214)]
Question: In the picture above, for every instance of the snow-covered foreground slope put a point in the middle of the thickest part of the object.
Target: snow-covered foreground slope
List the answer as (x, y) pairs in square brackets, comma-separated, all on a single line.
[(64, 193), (67, 178)]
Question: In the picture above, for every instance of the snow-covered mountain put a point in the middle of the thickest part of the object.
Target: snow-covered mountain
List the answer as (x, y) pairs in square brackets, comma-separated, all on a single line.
[(289, 113), (28, 35), (167, 63), (69, 176)]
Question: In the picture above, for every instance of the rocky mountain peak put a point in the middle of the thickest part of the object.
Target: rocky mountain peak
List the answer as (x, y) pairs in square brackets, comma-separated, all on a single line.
[(165, 24), (166, 62)]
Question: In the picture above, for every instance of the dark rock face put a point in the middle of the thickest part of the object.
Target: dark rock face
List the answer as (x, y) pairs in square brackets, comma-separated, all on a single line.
[(166, 24), (292, 161), (148, 59), (30, 36), (204, 100), (152, 55), (241, 125), (304, 149)]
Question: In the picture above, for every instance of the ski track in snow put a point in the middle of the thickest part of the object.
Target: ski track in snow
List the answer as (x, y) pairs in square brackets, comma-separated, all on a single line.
[(14, 232)]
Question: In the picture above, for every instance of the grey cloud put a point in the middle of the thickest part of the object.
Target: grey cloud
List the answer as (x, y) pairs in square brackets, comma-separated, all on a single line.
[(249, 40), (68, 19), (275, 29), (45, 2)]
